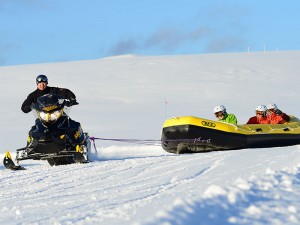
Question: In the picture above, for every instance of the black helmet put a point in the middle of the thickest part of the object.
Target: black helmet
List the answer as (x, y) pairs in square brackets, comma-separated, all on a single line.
[(41, 78)]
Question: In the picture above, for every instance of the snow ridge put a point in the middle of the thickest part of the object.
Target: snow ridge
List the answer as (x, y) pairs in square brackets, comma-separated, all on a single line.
[(273, 199)]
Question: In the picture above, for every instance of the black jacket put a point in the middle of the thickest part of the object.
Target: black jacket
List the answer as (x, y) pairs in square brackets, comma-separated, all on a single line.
[(32, 97)]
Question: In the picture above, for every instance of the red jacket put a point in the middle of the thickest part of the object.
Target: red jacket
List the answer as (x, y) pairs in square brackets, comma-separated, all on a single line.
[(258, 120)]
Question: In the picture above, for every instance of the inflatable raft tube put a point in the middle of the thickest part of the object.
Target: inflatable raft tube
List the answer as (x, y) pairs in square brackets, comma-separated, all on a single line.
[(188, 134)]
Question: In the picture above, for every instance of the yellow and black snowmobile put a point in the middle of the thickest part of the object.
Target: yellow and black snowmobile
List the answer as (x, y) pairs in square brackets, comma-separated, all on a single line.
[(55, 137)]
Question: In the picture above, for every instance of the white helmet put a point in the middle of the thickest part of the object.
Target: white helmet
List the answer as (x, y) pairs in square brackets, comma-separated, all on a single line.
[(272, 106), (220, 108), (261, 108)]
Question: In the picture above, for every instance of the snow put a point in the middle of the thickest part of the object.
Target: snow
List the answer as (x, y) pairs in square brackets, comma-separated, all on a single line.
[(124, 97), (264, 201)]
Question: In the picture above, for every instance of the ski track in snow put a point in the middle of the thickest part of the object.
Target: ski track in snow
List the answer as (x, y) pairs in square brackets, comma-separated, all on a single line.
[(115, 191), (147, 178)]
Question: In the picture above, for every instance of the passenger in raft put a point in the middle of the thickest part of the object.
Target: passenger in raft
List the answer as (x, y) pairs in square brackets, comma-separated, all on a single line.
[(261, 116), (275, 115), (223, 116)]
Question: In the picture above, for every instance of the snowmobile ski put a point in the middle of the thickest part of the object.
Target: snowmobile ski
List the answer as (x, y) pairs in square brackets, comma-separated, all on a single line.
[(9, 163)]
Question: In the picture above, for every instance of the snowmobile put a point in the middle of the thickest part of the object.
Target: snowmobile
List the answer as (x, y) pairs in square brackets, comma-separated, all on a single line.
[(55, 137)]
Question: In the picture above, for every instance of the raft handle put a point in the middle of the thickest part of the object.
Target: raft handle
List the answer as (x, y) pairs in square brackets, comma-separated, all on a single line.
[(259, 130)]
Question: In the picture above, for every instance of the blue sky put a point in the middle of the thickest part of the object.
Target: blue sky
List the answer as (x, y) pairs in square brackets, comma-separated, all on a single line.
[(42, 31)]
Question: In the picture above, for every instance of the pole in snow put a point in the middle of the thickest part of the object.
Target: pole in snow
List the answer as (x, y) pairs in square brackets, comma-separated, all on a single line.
[(166, 107)]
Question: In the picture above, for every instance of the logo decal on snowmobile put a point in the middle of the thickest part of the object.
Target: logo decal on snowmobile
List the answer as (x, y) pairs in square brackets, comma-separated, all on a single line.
[(79, 149), (78, 133), (49, 108), (208, 124)]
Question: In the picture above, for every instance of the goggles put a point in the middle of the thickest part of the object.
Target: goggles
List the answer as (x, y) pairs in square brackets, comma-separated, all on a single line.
[(50, 117), (42, 79)]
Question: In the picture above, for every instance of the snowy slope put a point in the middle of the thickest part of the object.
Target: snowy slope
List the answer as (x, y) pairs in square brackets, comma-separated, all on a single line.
[(124, 97)]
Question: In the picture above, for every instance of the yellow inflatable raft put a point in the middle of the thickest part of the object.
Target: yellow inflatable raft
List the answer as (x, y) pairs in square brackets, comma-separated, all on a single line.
[(188, 134)]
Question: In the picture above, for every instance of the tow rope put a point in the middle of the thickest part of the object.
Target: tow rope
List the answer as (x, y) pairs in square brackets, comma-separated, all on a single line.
[(148, 141), (135, 141)]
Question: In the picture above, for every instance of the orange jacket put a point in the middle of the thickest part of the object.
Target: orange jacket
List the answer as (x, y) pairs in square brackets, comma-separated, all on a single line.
[(277, 119)]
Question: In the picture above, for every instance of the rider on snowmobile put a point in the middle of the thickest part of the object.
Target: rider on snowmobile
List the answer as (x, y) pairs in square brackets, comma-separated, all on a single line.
[(49, 102), (42, 89), (54, 137)]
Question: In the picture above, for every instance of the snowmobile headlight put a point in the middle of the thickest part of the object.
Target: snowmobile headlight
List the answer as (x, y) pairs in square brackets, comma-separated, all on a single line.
[(44, 116), (55, 115), (50, 117)]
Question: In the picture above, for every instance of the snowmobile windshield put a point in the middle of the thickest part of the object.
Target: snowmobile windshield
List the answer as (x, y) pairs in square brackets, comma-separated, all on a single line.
[(48, 103)]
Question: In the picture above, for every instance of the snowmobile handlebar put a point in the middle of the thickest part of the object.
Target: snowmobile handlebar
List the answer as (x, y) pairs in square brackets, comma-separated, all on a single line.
[(50, 102), (70, 102)]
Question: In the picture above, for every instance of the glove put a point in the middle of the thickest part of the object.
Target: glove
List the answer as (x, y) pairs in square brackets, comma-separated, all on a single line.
[(73, 102), (278, 112), (70, 102)]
